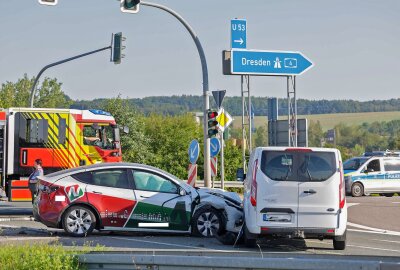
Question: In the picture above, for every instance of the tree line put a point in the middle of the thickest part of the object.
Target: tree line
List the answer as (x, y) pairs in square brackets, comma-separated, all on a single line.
[(175, 105)]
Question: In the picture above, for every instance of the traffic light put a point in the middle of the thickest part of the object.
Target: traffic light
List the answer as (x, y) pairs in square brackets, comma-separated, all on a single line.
[(212, 123), (130, 6), (116, 48), (48, 2)]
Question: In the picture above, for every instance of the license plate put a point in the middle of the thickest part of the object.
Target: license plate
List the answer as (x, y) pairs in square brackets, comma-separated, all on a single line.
[(272, 217)]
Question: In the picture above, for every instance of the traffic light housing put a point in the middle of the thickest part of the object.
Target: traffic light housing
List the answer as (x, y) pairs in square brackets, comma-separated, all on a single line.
[(48, 2), (212, 123), (130, 6), (117, 47)]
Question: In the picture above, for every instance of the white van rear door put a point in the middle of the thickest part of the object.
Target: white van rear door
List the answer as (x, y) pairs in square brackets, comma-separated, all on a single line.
[(319, 180), (277, 203)]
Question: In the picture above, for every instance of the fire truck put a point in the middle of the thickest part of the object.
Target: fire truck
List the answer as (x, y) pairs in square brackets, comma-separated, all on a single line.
[(61, 138)]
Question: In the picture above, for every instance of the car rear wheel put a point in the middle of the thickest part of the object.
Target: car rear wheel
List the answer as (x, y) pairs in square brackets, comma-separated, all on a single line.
[(207, 222), (79, 221), (357, 190)]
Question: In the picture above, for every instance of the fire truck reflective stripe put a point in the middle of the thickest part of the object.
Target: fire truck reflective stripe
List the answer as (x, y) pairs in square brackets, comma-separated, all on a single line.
[(66, 159), (154, 225), (20, 195), (19, 183)]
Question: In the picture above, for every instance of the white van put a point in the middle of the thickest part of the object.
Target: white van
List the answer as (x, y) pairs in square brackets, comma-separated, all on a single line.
[(295, 192)]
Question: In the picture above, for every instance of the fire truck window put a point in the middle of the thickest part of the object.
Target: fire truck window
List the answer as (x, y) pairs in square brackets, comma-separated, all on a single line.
[(62, 128), (37, 132), (90, 135)]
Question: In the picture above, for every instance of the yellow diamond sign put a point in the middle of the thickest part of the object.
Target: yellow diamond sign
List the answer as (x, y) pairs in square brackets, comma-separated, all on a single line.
[(224, 119)]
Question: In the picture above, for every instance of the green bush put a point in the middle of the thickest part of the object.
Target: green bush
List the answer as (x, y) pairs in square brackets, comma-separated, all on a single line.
[(41, 256)]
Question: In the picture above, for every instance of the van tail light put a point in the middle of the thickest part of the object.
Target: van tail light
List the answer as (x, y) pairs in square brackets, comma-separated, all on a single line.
[(253, 192), (342, 195)]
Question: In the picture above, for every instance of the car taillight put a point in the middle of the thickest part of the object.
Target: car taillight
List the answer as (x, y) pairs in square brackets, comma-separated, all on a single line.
[(342, 195), (253, 192)]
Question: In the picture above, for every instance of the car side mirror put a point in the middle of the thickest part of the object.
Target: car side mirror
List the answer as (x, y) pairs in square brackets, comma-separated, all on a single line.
[(181, 192), (240, 175)]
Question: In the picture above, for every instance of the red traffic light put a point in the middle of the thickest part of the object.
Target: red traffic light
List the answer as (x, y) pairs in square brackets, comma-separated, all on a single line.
[(212, 114)]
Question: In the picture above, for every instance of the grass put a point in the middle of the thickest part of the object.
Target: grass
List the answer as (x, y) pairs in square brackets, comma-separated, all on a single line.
[(328, 121), (42, 256)]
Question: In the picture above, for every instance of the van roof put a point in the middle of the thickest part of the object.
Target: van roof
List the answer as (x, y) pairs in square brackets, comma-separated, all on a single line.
[(284, 148)]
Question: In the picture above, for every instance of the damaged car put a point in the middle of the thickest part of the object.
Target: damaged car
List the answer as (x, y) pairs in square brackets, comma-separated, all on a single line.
[(132, 197)]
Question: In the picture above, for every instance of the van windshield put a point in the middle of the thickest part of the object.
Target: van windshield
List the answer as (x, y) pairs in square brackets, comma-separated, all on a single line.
[(298, 166)]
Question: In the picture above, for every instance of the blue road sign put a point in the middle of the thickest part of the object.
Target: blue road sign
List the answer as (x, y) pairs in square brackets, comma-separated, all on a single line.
[(215, 146), (194, 151), (238, 34), (269, 62)]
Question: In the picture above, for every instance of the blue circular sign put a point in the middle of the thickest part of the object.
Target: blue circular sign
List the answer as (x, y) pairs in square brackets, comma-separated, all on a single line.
[(215, 146), (194, 151)]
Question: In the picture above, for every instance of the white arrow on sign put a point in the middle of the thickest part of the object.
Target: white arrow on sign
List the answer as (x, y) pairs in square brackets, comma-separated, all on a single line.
[(214, 147), (193, 151), (240, 41)]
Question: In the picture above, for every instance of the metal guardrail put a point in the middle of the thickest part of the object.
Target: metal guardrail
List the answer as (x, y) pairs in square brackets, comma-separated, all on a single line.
[(217, 184), (131, 261)]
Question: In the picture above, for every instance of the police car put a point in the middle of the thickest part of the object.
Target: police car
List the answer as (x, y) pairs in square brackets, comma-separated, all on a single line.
[(372, 174), (131, 197)]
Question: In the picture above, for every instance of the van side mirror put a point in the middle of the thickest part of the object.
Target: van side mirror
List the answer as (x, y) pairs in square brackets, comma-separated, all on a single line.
[(240, 175)]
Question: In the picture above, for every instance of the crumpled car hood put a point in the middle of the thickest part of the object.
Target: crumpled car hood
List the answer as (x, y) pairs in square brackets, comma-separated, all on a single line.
[(231, 196)]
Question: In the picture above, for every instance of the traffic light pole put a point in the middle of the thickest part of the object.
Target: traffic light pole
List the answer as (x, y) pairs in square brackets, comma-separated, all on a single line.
[(207, 168), (33, 89)]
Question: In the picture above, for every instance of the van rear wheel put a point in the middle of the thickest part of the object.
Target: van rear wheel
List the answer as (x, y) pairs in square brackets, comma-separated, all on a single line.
[(357, 190), (339, 245), (248, 238)]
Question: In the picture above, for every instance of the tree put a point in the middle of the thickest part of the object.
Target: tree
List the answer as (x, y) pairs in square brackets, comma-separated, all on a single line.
[(18, 94), (135, 145)]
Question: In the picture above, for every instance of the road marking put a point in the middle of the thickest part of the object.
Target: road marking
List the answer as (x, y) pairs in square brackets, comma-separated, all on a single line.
[(16, 219), (372, 232), (383, 249), (352, 204), (18, 238), (395, 202), (389, 241), (373, 229), (161, 243)]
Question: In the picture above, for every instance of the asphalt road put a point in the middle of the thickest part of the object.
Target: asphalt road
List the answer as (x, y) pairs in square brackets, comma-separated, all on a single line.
[(374, 230)]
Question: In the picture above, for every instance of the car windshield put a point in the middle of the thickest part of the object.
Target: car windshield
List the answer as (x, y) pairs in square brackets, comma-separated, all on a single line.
[(354, 163), (298, 166)]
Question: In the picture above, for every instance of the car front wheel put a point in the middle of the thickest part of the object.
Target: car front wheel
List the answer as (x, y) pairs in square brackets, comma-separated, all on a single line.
[(79, 221), (357, 190), (207, 222)]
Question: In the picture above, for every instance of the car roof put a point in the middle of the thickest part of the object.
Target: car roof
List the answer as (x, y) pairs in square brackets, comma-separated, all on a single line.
[(107, 165)]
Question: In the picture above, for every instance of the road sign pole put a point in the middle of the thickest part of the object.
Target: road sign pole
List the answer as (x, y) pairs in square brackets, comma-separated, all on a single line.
[(206, 103), (222, 161)]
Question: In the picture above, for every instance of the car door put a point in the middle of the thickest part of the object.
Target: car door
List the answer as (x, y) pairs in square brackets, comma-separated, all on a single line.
[(392, 174), (110, 192), (159, 204), (277, 189), (319, 179), (372, 175)]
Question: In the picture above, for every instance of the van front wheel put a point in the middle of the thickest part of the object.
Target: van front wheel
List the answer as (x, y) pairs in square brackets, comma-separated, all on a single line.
[(357, 190)]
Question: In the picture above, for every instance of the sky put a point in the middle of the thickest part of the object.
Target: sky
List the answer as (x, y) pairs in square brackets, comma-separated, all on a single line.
[(354, 45)]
